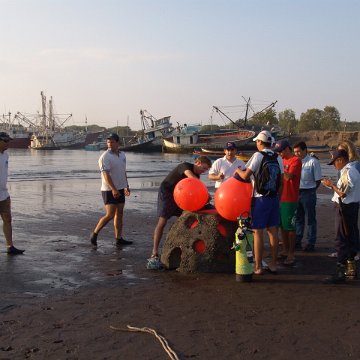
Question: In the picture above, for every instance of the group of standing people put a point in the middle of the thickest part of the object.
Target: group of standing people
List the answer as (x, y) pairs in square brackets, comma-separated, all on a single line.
[(287, 207)]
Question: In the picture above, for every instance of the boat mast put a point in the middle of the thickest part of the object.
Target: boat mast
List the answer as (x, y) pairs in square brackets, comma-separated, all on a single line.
[(247, 110), (51, 115), (43, 106), (222, 113)]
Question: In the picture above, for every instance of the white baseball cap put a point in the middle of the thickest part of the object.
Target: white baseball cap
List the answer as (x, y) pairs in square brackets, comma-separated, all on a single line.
[(264, 136)]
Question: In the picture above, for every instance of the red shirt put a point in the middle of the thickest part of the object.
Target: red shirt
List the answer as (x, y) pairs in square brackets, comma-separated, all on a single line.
[(290, 192)]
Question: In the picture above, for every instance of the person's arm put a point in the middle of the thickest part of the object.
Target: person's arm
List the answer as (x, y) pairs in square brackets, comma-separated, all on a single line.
[(190, 174), (127, 189), (317, 172), (216, 177), (329, 184), (244, 174)]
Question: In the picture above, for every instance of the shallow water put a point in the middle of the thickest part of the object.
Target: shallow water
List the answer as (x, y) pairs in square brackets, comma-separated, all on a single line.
[(46, 181), (69, 180)]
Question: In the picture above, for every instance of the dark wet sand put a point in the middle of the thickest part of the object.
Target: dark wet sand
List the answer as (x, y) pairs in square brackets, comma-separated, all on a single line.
[(59, 300)]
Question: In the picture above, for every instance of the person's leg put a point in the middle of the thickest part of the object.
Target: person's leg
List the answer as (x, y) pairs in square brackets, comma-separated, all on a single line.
[(7, 228), (285, 243), (291, 249), (110, 210), (300, 220), (274, 242), (311, 216), (158, 233), (258, 249), (118, 220)]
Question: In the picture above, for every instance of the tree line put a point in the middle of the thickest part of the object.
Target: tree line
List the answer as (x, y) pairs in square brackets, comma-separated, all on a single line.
[(312, 119)]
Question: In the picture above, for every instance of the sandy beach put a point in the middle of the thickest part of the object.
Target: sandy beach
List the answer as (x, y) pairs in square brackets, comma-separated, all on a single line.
[(60, 299)]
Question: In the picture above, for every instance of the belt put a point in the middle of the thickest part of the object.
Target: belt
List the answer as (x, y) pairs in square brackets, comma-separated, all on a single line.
[(301, 190)]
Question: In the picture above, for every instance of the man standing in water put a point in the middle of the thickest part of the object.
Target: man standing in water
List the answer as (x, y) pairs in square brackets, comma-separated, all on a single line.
[(114, 188), (5, 203)]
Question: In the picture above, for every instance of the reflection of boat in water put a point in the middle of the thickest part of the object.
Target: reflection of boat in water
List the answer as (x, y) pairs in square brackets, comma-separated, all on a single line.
[(214, 155)]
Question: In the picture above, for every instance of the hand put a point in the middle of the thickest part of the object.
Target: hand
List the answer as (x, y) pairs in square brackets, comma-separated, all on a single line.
[(221, 176), (115, 194), (127, 191), (327, 182)]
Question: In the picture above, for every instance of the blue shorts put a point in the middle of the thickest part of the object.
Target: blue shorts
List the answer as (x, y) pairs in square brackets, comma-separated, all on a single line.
[(265, 212), (109, 198)]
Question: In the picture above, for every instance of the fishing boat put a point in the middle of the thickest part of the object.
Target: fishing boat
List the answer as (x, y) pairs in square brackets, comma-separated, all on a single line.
[(318, 148), (189, 139), (149, 138), (98, 144), (49, 132), (19, 133)]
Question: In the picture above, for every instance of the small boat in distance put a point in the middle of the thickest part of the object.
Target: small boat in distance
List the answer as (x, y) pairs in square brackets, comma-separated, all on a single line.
[(214, 155)]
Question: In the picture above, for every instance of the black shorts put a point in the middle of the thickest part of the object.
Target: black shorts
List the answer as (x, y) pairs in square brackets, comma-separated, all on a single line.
[(166, 206), (109, 198)]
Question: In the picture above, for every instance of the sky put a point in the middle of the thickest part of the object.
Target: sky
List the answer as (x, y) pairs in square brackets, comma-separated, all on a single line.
[(105, 60)]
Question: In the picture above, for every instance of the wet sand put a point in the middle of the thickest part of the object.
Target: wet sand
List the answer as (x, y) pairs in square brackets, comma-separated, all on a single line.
[(59, 300)]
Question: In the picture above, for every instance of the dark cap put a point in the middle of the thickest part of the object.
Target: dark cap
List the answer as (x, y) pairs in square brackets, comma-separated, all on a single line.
[(338, 154), (281, 146), (230, 145), (114, 137), (5, 136)]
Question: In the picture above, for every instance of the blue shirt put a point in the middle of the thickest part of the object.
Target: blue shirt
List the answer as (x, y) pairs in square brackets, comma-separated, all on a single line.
[(310, 172)]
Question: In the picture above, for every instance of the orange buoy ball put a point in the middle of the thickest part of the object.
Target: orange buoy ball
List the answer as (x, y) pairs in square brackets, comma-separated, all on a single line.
[(233, 198), (191, 194)]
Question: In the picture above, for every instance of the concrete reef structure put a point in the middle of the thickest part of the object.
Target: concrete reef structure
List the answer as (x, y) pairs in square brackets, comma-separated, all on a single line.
[(200, 242)]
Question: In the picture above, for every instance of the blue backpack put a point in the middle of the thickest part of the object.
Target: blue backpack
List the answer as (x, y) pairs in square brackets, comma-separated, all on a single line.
[(267, 178)]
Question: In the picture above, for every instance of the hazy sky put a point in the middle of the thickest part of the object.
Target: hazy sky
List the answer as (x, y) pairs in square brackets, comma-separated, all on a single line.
[(107, 59)]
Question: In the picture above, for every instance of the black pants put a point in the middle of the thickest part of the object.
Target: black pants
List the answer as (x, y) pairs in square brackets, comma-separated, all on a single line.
[(346, 230)]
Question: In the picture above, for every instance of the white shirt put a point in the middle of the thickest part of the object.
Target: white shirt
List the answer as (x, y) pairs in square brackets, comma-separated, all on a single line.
[(115, 165), (226, 167), (310, 172), (349, 183), (254, 165), (4, 169)]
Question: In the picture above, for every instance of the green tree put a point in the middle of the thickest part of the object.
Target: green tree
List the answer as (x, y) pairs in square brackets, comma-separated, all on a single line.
[(330, 119), (287, 120), (310, 120), (264, 118)]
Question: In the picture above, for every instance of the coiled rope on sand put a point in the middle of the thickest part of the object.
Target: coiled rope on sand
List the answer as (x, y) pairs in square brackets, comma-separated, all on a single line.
[(172, 354)]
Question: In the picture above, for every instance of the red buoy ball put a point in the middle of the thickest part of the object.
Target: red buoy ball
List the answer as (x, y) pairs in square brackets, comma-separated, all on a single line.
[(233, 198), (191, 194)]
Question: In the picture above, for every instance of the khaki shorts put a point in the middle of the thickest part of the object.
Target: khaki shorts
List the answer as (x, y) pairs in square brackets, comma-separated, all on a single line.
[(5, 206)]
